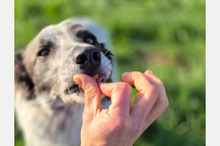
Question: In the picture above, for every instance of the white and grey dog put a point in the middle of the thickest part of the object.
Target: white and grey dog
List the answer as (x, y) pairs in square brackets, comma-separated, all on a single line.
[(49, 104)]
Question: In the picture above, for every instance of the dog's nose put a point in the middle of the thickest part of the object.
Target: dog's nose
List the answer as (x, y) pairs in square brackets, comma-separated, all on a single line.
[(89, 58)]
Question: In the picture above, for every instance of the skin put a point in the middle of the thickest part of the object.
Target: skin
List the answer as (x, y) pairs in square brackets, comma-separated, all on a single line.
[(121, 124)]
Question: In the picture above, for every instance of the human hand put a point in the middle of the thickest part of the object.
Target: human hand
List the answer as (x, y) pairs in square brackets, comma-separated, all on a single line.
[(121, 124)]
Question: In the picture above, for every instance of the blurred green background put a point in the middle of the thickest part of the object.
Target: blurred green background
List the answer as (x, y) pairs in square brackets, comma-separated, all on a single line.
[(167, 37)]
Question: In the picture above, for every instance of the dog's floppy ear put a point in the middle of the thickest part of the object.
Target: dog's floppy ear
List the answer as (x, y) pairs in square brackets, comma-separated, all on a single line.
[(23, 82)]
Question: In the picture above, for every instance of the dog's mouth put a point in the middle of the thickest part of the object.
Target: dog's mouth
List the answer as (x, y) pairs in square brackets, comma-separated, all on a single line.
[(75, 88), (72, 89)]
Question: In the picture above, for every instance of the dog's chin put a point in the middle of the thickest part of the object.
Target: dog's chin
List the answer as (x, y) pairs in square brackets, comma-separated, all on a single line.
[(74, 93)]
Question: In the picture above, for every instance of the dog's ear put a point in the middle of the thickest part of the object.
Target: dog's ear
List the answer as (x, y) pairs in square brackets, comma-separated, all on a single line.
[(107, 52), (23, 82)]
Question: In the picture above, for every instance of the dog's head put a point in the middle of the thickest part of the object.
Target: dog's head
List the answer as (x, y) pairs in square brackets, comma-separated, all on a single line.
[(55, 55)]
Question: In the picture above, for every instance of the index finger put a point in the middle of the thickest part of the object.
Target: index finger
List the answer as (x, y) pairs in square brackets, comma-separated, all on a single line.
[(137, 79), (146, 97), (120, 94)]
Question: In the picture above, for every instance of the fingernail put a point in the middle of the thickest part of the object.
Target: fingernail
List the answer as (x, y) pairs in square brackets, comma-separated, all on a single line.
[(77, 80), (149, 72)]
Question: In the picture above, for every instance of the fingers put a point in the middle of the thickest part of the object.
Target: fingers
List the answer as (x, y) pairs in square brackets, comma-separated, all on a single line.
[(146, 97), (156, 81), (162, 102), (120, 94), (150, 102), (137, 79), (91, 92)]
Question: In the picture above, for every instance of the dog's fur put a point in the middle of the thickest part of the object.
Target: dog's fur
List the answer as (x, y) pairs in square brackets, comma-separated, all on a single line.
[(49, 104)]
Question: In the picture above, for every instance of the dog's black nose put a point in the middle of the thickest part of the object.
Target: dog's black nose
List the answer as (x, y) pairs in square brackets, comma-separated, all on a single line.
[(89, 58)]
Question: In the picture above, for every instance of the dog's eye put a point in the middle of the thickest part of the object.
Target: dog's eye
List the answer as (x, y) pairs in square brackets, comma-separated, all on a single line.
[(89, 41), (44, 52)]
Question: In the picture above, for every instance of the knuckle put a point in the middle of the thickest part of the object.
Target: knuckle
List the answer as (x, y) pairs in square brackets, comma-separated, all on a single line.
[(153, 90), (137, 74), (90, 91), (138, 77), (123, 86)]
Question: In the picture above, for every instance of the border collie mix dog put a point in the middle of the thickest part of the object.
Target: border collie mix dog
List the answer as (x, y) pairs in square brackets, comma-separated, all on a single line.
[(49, 104)]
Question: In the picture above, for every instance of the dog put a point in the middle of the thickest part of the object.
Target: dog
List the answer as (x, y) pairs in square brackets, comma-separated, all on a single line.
[(48, 103)]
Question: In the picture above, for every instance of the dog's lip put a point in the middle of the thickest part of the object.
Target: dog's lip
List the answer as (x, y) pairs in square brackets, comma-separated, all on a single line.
[(101, 78), (72, 89), (76, 88)]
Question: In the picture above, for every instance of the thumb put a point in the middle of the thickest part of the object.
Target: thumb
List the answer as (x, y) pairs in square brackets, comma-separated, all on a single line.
[(92, 93)]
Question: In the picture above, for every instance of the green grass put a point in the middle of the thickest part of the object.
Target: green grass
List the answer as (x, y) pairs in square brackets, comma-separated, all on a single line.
[(167, 37)]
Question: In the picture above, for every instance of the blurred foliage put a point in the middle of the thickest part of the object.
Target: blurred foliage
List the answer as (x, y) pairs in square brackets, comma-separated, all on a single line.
[(167, 37)]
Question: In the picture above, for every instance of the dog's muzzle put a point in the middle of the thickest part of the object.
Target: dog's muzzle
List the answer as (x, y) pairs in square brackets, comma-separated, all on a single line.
[(88, 59)]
